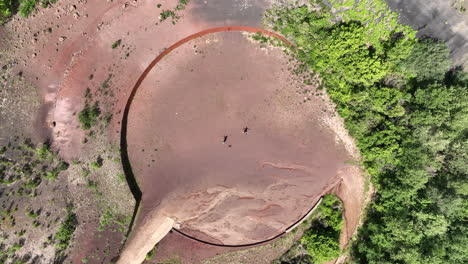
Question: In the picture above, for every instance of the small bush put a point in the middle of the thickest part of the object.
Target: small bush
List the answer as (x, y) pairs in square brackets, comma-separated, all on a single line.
[(52, 175), (105, 220), (27, 7), (150, 254), (65, 231), (121, 177), (62, 166), (43, 152), (92, 184), (116, 44), (97, 164), (89, 115), (167, 14), (6, 7), (32, 214)]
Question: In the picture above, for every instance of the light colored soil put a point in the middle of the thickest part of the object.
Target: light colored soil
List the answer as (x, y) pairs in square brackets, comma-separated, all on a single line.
[(136, 249)]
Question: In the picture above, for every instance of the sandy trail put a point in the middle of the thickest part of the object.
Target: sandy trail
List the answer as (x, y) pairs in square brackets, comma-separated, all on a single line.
[(136, 249)]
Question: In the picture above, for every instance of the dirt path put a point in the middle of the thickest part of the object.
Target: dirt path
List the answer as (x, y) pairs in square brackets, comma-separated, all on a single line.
[(144, 238)]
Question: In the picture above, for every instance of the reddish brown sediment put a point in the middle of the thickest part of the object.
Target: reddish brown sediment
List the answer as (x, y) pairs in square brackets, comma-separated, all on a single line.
[(62, 69), (177, 123)]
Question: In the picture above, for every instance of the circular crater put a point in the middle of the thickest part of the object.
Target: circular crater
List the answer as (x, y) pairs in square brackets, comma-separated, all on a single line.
[(224, 139)]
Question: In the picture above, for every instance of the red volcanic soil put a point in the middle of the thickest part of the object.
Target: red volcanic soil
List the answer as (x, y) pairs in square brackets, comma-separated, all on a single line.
[(244, 191), (256, 184)]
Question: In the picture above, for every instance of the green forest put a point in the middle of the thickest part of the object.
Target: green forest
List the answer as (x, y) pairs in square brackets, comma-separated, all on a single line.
[(406, 105)]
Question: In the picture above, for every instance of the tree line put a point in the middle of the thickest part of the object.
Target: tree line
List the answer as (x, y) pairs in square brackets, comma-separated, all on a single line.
[(406, 105)]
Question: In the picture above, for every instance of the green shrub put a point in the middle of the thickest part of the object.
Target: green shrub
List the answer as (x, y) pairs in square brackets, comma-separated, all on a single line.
[(116, 43), (46, 3), (89, 115), (320, 242), (43, 152), (62, 165), (32, 214), (167, 14), (121, 177), (27, 7), (52, 175), (150, 254), (92, 184), (65, 231), (6, 9), (14, 248), (97, 164), (322, 239)]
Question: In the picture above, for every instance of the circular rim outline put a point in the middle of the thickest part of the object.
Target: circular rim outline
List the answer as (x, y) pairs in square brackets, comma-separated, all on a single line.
[(131, 180)]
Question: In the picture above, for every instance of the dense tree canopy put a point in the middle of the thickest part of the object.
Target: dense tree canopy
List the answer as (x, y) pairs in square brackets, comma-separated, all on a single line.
[(408, 111)]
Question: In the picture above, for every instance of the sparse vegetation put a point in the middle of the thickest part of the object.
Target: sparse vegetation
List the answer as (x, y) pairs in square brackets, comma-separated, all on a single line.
[(121, 177), (173, 14), (105, 220), (52, 175)]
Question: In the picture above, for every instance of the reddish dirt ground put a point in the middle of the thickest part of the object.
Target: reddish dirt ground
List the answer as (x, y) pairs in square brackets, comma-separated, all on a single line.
[(244, 193), (253, 186)]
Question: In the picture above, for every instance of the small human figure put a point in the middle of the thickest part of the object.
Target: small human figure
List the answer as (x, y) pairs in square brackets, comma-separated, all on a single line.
[(246, 130), (225, 139)]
